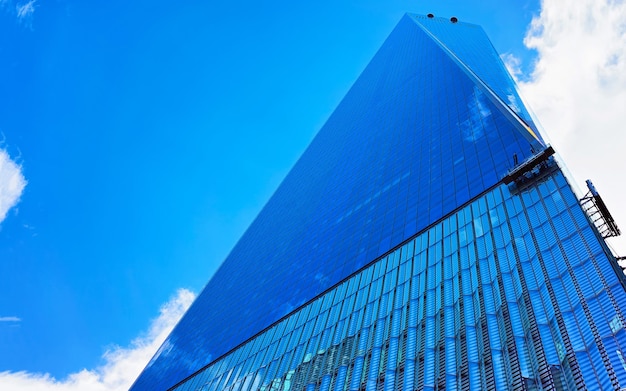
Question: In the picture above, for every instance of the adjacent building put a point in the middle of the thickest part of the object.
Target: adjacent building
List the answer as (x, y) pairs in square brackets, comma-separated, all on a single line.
[(427, 239)]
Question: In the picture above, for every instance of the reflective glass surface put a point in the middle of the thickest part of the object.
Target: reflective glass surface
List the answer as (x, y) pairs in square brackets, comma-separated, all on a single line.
[(415, 139), (510, 292), (471, 45)]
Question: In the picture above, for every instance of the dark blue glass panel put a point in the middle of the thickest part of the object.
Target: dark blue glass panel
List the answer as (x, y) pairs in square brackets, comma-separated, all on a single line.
[(413, 140)]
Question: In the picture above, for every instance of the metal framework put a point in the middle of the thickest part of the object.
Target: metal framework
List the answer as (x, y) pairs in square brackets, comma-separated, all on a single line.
[(596, 209), (532, 169)]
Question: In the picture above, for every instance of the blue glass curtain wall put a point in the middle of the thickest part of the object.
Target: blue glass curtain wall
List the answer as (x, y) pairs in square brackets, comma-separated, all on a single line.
[(413, 139), (474, 49), (511, 291)]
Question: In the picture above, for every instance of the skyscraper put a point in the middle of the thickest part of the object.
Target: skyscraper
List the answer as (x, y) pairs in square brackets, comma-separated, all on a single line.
[(426, 239)]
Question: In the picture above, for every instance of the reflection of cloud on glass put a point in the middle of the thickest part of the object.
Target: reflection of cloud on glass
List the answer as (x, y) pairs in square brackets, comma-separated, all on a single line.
[(513, 103), (513, 64), (321, 279), (389, 185), (472, 128), (164, 350)]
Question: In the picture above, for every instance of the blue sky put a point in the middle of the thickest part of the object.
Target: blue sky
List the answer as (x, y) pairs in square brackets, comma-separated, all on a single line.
[(139, 139)]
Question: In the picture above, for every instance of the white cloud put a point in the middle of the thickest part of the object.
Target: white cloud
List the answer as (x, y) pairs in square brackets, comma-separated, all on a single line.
[(513, 65), (25, 10), (12, 183), (121, 365), (578, 92), (10, 319)]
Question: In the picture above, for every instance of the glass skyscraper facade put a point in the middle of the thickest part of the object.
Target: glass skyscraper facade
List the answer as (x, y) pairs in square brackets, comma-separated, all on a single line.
[(426, 239)]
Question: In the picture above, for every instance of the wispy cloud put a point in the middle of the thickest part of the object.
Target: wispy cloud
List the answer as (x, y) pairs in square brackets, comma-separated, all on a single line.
[(23, 11), (12, 183), (513, 65), (578, 90), (121, 365), (10, 319)]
